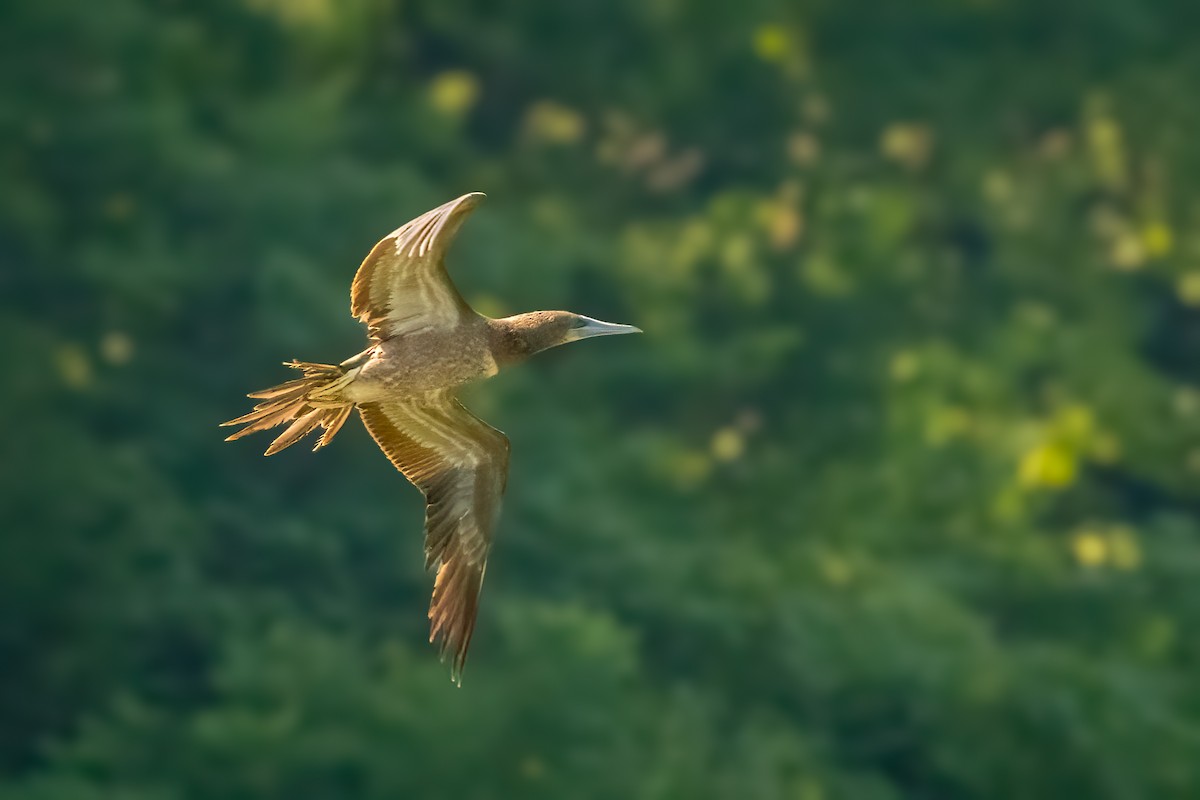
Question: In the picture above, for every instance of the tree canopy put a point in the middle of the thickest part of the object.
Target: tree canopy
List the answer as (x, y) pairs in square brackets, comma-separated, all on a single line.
[(898, 497)]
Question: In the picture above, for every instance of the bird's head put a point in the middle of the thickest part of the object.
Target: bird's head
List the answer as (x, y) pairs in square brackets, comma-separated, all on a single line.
[(526, 334)]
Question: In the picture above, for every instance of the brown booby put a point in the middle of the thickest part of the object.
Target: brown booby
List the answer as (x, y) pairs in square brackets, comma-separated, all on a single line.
[(425, 342)]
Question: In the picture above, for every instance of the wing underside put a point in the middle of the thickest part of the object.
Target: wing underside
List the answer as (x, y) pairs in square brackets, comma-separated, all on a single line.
[(402, 286), (460, 463)]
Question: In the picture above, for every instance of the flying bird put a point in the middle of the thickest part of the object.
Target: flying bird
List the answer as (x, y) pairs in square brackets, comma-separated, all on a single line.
[(425, 342)]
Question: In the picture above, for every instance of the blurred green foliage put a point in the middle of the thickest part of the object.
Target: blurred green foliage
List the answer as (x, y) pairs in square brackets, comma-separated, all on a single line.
[(898, 496)]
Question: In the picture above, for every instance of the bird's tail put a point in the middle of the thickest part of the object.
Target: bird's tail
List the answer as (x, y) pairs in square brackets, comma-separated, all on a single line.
[(307, 403)]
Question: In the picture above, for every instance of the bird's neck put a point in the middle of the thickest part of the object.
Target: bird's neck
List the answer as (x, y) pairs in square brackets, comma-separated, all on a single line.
[(514, 339)]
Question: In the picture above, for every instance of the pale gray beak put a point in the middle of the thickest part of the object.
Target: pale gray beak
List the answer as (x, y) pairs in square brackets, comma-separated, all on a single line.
[(594, 327)]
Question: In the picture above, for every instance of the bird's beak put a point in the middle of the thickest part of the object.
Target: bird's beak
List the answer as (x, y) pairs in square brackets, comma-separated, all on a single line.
[(594, 327)]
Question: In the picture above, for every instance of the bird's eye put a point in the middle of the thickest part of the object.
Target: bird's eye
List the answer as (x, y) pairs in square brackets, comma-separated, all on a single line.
[(578, 322)]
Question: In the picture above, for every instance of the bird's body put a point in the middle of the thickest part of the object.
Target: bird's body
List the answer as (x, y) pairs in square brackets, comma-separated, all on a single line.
[(425, 342), (424, 362)]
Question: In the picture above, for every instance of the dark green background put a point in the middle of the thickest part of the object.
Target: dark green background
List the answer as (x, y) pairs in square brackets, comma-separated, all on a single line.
[(898, 497)]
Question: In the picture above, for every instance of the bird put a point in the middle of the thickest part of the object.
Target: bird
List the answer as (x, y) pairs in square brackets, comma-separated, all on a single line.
[(425, 343)]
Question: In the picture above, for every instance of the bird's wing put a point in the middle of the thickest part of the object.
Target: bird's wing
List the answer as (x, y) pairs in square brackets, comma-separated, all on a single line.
[(460, 463), (402, 286)]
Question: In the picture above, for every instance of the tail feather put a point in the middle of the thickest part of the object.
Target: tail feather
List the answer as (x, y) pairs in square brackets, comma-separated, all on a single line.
[(333, 426), (292, 402), (276, 391), (296, 431)]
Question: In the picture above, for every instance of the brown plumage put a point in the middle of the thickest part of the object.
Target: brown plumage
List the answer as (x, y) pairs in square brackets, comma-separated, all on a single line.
[(425, 342)]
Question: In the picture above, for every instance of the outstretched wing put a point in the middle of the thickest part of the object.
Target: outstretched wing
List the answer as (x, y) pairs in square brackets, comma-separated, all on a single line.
[(402, 286), (460, 463)]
